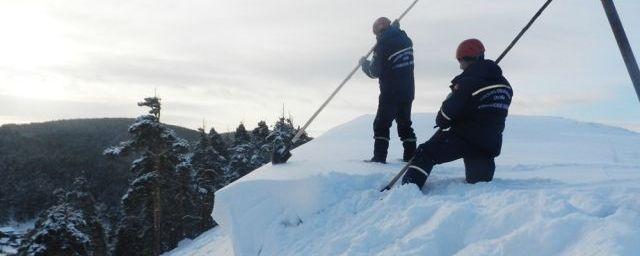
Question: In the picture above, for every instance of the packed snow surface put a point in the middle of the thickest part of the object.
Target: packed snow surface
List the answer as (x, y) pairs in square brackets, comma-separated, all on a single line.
[(560, 187)]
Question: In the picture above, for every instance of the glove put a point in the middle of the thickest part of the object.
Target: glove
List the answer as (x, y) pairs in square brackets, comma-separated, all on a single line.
[(419, 150), (395, 24), (442, 122), (363, 61)]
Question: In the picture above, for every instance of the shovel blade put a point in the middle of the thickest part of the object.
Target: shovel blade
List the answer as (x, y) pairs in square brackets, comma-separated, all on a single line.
[(385, 189), (280, 157)]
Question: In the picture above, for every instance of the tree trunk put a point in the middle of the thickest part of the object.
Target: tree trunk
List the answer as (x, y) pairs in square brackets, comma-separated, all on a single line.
[(156, 221)]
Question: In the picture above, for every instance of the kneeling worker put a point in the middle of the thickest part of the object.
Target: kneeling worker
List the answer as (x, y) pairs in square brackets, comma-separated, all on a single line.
[(392, 64), (471, 120)]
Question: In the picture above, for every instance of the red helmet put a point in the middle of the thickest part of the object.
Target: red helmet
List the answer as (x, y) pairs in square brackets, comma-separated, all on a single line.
[(472, 48)]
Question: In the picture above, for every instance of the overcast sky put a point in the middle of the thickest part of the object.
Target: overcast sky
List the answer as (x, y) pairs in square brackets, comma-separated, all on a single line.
[(232, 61)]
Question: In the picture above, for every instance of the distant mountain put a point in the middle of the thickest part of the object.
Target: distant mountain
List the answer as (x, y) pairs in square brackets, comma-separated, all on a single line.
[(105, 126), (37, 158)]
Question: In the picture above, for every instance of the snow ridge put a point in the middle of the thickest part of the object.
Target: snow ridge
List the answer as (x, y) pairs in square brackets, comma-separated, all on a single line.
[(561, 187)]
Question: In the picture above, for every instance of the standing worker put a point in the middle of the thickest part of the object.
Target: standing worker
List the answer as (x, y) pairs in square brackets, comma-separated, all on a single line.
[(392, 64), (471, 120)]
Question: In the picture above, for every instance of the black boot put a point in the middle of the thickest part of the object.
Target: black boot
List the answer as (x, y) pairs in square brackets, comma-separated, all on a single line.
[(409, 150), (418, 172), (479, 169), (380, 148)]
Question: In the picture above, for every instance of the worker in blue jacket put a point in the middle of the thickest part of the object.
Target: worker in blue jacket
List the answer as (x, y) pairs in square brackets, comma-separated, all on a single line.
[(471, 120), (392, 64)]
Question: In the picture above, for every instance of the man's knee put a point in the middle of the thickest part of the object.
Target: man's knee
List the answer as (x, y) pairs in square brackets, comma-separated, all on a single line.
[(404, 124), (429, 150), (479, 169)]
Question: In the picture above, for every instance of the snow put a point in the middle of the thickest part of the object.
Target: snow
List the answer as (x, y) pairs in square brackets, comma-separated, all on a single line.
[(561, 187), (14, 230), (212, 242)]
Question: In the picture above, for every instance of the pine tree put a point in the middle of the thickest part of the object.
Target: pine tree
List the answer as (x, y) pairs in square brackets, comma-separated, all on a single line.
[(187, 204), (206, 154), (241, 136), (208, 181), (241, 153), (151, 224), (262, 151), (218, 143), (260, 133), (210, 167), (154, 104), (282, 134), (70, 227)]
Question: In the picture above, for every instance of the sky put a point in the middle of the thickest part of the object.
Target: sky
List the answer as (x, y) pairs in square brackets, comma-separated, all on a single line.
[(225, 62)]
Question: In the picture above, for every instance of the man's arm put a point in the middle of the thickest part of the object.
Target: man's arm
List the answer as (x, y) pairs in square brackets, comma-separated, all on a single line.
[(453, 106), (374, 67)]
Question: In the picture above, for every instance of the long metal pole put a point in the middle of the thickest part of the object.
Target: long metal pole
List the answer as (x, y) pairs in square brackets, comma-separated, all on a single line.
[(326, 102), (398, 176), (346, 79), (623, 44), (526, 27)]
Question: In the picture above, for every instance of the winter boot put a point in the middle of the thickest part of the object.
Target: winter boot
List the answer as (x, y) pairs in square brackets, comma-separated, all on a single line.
[(479, 169), (380, 148), (418, 172), (409, 149)]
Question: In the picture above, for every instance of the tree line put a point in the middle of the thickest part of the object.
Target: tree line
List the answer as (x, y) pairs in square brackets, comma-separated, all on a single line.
[(170, 196)]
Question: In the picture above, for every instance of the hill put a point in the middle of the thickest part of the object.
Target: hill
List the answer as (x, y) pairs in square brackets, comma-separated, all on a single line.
[(561, 187), (37, 158)]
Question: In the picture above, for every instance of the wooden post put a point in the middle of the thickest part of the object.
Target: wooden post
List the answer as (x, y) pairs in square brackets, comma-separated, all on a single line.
[(623, 44)]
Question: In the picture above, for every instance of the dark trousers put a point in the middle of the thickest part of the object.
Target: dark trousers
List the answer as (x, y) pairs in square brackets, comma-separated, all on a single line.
[(386, 114), (445, 147)]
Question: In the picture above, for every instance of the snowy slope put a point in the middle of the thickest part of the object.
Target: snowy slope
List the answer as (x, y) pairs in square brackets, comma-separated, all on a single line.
[(561, 187)]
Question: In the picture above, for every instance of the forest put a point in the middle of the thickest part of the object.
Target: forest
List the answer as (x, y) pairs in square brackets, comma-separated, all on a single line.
[(111, 185)]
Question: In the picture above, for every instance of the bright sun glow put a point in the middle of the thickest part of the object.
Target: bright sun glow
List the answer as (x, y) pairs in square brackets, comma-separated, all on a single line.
[(29, 39), (30, 42)]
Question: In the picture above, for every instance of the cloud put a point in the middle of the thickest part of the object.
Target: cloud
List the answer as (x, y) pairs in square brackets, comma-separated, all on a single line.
[(242, 60)]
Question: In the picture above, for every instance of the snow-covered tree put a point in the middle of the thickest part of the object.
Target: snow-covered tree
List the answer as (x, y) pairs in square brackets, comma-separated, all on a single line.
[(154, 104), (218, 143), (282, 134), (241, 136), (70, 227), (252, 151), (151, 223), (206, 154), (262, 148), (260, 133), (185, 213), (210, 167), (241, 153)]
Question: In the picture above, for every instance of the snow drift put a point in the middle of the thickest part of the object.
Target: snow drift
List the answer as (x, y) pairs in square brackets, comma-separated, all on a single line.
[(560, 187)]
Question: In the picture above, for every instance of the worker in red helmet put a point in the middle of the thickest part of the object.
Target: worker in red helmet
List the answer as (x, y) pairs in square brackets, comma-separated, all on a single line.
[(471, 120)]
